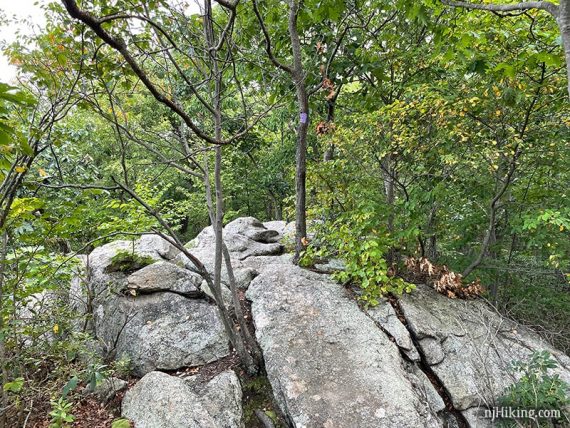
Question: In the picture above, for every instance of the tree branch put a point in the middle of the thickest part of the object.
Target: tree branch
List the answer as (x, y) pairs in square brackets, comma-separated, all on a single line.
[(268, 48), (540, 5), (119, 45)]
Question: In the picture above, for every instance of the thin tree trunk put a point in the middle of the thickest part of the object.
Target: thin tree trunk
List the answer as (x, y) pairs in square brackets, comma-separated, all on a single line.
[(493, 208), (3, 359), (238, 342), (389, 191), (244, 328), (431, 250), (564, 26), (302, 130), (331, 108)]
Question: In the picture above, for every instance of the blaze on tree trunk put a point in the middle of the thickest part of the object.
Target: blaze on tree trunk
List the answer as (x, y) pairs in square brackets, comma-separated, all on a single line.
[(298, 75)]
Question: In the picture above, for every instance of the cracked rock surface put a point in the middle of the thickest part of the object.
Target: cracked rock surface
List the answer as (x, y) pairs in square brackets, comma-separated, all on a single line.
[(320, 352), (328, 363), (423, 360), (148, 316), (469, 347)]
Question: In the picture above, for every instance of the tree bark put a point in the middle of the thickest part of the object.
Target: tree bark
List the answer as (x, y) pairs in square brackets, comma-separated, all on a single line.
[(3, 369), (564, 25), (240, 337), (298, 75), (493, 208)]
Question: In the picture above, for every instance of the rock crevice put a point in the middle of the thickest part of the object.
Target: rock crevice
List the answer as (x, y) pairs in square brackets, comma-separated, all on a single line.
[(422, 360), (425, 366)]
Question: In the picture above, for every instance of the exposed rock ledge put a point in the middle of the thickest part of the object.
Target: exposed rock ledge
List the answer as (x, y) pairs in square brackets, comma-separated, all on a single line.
[(422, 361), (332, 364)]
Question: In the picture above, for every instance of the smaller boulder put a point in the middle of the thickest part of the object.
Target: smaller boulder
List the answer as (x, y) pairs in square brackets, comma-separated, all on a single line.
[(331, 266), (149, 244), (253, 229), (107, 389), (159, 400), (164, 276), (276, 225)]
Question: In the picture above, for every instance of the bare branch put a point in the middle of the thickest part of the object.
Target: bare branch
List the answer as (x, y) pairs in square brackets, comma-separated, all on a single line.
[(120, 46)]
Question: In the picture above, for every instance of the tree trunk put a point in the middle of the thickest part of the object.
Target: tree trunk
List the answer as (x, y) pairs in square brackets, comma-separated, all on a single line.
[(564, 26), (389, 191), (3, 369), (239, 338), (493, 209), (302, 130)]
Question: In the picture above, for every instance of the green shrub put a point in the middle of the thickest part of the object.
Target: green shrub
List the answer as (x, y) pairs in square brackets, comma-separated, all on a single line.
[(360, 240), (536, 389), (128, 262), (60, 414)]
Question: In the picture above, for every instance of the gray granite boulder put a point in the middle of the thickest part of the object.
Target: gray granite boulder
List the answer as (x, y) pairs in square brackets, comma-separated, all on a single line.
[(471, 347), (152, 316), (161, 331), (164, 276), (162, 401), (328, 363), (244, 237)]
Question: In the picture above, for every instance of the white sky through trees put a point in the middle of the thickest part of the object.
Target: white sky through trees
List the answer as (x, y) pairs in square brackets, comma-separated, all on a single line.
[(20, 9), (30, 10)]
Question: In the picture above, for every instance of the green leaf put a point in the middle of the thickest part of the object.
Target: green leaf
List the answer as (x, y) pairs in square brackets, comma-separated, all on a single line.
[(121, 423), (5, 138), (69, 386), (15, 386)]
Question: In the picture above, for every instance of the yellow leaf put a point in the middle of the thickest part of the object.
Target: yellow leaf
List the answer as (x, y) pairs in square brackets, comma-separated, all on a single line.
[(561, 228), (56, 328), (20, 169), (42, 172)]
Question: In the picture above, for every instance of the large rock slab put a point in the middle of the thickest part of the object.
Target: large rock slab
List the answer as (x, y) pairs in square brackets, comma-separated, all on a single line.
[(150, 316), (161, 331), (162, 401), (327, 361), (164, 276), (470, 346)]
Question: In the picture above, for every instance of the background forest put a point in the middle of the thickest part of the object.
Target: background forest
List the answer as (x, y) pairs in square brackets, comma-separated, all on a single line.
[(429, 131)]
